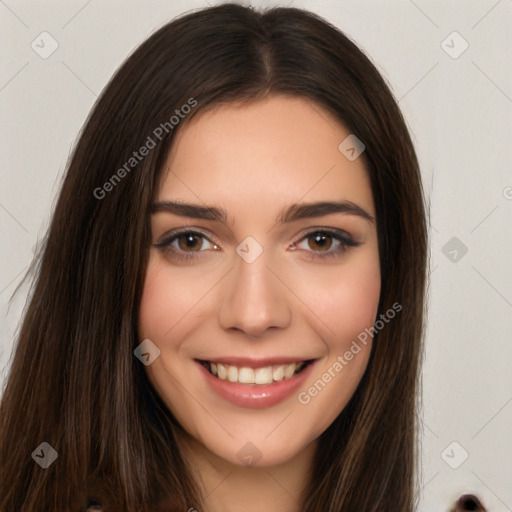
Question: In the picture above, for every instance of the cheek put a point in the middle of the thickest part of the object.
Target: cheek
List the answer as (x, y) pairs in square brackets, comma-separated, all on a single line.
[(347, 304), (345, 301), (167, 318), (154, 320), (354, 303), (332, 385), (163, 312)]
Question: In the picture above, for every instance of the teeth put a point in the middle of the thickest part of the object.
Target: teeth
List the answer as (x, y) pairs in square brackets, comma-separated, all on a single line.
[(264, 375), (232, 373), (278, 373), (221, 371), (246, 375), (289, 370)]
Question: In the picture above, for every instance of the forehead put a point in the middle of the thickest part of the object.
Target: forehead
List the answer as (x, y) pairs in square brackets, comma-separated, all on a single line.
[(264, 154)]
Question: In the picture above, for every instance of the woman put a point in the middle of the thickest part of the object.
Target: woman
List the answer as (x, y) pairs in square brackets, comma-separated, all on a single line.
[(228, 308)]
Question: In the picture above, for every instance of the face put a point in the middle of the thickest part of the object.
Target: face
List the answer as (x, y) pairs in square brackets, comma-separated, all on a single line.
[(263, 271)]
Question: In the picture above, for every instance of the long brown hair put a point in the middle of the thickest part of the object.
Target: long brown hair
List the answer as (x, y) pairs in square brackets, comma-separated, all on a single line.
[(74, 381)]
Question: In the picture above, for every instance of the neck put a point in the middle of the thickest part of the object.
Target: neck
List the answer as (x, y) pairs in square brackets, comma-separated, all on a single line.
[(226, 487)]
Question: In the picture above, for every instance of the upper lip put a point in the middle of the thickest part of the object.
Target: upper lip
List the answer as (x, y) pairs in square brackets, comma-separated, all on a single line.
[(250, 362)]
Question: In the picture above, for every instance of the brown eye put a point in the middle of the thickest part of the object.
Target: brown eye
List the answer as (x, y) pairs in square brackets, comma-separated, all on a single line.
[(186, 242), (326, 243), (320, 241), (190, 242)]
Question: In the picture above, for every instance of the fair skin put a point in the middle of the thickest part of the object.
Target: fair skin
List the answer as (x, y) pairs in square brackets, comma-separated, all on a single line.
[(300, 294)]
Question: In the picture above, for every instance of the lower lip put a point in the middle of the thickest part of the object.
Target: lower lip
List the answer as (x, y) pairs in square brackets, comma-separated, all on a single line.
[(256, 396)]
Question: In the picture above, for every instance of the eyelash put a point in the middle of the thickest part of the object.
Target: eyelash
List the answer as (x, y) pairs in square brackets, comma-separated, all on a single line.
[(345, 242)]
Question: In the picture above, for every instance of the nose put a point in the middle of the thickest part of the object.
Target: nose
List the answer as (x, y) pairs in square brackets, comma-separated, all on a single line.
[(254, 299)]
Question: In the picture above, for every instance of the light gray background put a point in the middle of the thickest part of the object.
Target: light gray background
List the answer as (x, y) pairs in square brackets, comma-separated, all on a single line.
[(459, 113)]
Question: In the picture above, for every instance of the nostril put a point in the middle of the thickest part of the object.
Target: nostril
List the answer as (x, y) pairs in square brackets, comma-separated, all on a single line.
[(468, 502)]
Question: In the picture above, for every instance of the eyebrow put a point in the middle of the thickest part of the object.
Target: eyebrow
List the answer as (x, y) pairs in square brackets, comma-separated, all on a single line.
[(290, 214), (309, 210)]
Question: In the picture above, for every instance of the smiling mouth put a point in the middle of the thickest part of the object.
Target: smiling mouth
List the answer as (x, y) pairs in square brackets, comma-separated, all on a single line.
[(263, 376)]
